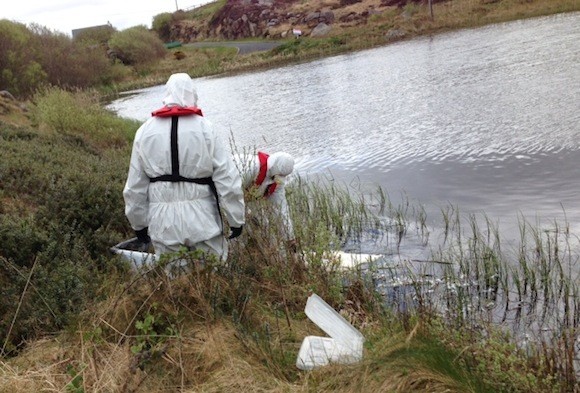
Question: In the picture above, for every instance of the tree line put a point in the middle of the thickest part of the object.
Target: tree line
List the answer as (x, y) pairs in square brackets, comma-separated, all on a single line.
[(33, 56)]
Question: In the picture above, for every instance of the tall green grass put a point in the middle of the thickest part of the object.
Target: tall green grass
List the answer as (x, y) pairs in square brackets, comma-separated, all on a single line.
[(79, 117)]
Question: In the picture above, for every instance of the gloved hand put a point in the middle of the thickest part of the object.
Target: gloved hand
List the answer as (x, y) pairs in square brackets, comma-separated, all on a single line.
[(141, 242), (235, 232), (143, 235)]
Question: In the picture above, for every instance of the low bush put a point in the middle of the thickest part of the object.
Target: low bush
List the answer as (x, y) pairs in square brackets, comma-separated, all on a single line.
[(61, 211), (20, 71), (80, 117), (162, 25), (70, 64), (137, 47), (35, 57)]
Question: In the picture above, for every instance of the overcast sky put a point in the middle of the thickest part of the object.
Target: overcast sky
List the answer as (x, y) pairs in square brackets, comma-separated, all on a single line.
[(67, 15)]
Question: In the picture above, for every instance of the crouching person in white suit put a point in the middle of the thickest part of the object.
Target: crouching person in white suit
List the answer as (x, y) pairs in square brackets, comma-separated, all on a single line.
[(265, 177)]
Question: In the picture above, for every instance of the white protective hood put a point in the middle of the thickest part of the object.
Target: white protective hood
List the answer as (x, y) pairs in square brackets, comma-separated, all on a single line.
[(180, 91), (281, 164)]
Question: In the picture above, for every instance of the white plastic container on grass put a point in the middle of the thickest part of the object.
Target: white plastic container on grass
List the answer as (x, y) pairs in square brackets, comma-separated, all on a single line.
[(344, 346), (147, 260), (138, 258)]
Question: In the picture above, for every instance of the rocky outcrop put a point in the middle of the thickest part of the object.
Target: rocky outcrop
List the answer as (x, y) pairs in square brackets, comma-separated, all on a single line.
[(239, 19), (186, 31), (314, 19)]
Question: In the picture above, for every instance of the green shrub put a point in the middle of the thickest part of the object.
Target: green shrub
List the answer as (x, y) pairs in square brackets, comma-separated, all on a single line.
[(20, 73), (117, 73), (47, 275), (89, 205), (67, 63), (47, 295), (137, 46), (21, 239), (80, 117), (162, 25), (36, 56), (22, 172), (80, 193), (65, 211)]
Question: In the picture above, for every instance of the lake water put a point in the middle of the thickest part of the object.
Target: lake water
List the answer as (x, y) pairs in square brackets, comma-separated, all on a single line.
[(486, 119)]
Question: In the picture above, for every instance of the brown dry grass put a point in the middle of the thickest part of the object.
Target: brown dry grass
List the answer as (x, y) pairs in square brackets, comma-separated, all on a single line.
[(210, 360)]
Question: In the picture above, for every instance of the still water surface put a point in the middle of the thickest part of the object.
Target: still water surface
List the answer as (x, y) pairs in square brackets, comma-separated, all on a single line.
[(487, 119)]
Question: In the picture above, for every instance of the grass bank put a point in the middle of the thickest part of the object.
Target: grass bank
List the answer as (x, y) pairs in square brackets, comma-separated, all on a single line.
[(77, 319)]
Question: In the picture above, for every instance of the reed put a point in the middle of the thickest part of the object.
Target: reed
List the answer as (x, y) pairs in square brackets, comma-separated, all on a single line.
[(529, 291)]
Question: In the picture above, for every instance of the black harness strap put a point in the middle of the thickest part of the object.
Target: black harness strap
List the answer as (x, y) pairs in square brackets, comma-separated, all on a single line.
[(174, 147), (175, 177)]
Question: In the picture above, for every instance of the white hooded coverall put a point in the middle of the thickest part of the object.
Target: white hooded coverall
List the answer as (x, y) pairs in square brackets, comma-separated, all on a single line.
[(182, 213), (279, 165)]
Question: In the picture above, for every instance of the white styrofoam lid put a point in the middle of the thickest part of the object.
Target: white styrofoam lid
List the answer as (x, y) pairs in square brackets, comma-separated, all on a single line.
[(332, 323)]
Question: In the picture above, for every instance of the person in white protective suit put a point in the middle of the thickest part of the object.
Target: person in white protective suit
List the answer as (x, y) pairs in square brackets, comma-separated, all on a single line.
[(265, 177), (180, 177)]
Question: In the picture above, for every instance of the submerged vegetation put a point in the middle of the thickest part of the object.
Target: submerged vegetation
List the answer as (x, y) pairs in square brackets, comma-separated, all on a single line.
[(476, 317)]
